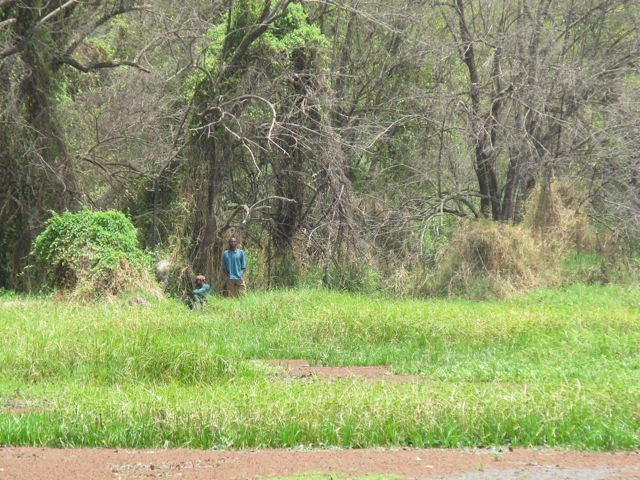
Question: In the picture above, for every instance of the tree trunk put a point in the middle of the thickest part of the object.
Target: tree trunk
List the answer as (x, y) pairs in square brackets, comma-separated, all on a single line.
[(484, 168), (38, 170)]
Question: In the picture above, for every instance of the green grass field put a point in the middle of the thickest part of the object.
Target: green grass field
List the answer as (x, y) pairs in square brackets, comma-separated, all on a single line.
[(553, 368)]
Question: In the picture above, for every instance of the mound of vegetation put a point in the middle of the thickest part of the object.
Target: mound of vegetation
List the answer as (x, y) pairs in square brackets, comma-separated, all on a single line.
[(486, 259), (554, 246), (557, 220), (91, 254)]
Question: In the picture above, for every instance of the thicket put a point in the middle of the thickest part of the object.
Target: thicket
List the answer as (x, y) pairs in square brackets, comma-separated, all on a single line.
[(554, 245), (342, 145), (90, 254)]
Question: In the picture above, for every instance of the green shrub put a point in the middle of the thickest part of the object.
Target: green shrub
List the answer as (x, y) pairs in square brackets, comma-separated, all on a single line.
[(586, 268), (91, 254), (7, 294), (286, 273)]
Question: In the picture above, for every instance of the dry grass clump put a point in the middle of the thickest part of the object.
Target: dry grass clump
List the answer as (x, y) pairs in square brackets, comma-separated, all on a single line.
[(487, 259), (113, 281), (558, 221), (560, 226), (555, 245)]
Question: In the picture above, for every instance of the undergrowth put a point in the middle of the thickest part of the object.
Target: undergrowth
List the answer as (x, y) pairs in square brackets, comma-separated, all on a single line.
[(554, 246)]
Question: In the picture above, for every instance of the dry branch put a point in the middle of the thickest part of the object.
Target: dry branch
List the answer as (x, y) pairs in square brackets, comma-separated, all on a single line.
[(96, 66)]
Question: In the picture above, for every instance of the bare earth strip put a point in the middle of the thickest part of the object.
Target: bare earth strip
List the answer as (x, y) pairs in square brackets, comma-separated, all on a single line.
[(300, 369), (18, 463)]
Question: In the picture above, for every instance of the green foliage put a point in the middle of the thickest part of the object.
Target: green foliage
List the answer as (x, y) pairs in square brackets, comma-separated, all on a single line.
[(286, 273), (290, 33), (347, 277), (94, 253), (354, 277), (213, 41), (436, 236), (7, 294), (293, 31), (595, 268), (256, 274), (584, 267)]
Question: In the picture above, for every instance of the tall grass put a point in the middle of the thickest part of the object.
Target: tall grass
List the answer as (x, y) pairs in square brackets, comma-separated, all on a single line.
[(345, 413), (556, 367)]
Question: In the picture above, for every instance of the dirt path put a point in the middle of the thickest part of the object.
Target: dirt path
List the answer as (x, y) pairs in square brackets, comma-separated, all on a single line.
[(300, 369), (18, 463)]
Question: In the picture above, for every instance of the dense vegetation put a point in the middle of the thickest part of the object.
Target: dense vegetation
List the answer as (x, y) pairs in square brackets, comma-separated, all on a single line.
[(346, 142), (90, 254), (555, 368)]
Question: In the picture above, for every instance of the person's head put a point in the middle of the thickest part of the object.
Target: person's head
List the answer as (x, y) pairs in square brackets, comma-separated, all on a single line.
[(233, 243), (200, 279)]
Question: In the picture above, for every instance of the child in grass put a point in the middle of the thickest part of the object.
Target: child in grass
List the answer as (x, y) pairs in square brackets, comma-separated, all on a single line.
[(198, 296)]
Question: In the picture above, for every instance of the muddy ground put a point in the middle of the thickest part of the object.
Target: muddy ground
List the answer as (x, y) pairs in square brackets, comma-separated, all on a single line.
[(21, 463)]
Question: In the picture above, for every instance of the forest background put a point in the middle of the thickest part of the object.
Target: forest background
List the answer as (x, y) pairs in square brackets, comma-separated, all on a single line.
[(412, 146)]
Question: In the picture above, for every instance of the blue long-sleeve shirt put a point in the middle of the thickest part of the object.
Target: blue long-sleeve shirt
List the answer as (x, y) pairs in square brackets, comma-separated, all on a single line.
[(202, 292), (234, 263)]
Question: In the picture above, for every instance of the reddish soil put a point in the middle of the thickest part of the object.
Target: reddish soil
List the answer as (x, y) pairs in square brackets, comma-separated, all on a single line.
[(96, 464), (302, 369), (12, 405)]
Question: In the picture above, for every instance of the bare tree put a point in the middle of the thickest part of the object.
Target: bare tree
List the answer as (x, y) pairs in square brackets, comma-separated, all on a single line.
[(532, 71)]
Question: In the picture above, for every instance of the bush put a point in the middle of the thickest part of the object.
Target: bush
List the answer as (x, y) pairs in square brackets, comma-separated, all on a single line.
[(588, 268), (174, 272), (554, 246), (91, 254), (353, 277), (487, 259)]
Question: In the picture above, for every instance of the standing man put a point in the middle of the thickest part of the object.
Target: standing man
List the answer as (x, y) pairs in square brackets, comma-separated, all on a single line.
[(234, 264)]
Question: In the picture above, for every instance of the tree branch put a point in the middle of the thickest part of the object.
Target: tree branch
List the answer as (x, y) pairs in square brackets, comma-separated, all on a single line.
[(26, 38), (101, 21), (96, 66), (7, 52), (7, 22), (268, 17), (54, 12)]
